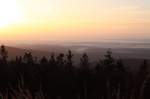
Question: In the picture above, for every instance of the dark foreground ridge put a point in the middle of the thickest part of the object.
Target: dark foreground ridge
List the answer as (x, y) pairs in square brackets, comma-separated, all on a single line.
[(27, 77)]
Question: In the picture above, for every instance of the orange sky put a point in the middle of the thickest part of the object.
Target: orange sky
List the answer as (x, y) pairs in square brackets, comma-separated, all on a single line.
[(74, 20)]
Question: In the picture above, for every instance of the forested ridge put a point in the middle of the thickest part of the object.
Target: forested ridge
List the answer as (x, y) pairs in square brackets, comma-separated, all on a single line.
[(59, 77)]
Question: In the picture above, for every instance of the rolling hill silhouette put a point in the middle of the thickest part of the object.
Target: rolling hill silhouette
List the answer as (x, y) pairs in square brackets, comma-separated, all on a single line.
[(13, 52)]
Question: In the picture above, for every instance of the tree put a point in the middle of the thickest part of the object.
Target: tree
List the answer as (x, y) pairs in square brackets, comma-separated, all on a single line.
[(141, 78), (44, 61), (69, 61), (109, 62), (28, 58), (84, 62), (60, 61), (110, 74), (4, 53)]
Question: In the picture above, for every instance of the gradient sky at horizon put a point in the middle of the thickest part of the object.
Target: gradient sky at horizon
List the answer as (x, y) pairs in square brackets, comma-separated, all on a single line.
[(74, 20)]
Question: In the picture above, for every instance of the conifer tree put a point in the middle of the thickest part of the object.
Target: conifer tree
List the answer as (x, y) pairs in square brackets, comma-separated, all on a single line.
[(3, 53), (109, 62), (44, 60), (60, 61), (69, 61), (28, 58), (84, 62), (141, 78)]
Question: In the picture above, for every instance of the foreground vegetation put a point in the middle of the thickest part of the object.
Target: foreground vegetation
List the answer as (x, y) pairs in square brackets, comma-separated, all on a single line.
[(27, 77)]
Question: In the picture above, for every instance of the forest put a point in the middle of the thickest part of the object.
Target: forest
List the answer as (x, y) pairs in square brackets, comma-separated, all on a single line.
[(60, 77)]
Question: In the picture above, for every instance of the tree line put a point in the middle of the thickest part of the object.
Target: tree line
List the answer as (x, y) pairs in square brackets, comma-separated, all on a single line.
[(59, 78)]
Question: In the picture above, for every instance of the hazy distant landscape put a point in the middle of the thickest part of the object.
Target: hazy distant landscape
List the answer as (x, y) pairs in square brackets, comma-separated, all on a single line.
[(132, 53), (122, 49)]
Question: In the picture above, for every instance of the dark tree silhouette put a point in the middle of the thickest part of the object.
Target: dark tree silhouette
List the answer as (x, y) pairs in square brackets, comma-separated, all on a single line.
[(84, 62), (60, 77), (109, 62), (3, 53), (28, 58), (69, 61), (141, 78)]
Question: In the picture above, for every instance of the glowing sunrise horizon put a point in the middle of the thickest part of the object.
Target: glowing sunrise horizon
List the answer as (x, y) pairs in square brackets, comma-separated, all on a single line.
[(74, 20)]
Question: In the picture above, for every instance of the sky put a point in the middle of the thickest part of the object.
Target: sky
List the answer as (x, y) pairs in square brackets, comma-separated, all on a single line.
[(74, 20)]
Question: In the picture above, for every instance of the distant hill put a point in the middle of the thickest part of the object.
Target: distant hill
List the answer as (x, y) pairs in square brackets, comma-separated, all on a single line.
[(120, 50), (13, 52)]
